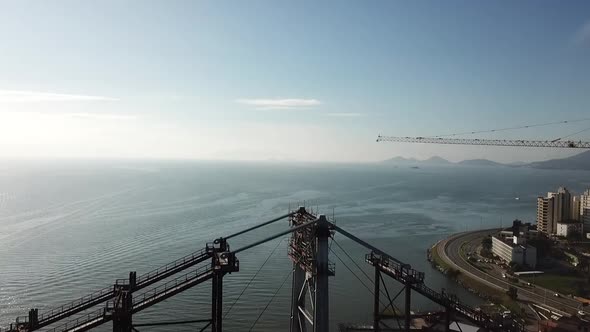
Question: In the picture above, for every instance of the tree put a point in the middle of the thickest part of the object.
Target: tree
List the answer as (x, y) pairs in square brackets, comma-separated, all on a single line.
[(486, 243), (453, 274), (512, 292), (543, 245), (583, 264), (512, 266)]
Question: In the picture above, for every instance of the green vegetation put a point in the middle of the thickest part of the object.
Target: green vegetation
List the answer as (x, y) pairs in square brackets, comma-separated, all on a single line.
[(544, 246), (437, 260), (463, 252), (513, 267), (492, 294), (565, 284), (486, 243), (453, 274), (584, 264), (512, 292), (486, 247)]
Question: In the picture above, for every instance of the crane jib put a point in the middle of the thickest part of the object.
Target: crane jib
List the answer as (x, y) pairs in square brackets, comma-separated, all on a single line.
[(493, 142)]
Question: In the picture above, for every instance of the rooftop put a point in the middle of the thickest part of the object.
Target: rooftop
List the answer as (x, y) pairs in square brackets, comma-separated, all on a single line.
[(569, 221)]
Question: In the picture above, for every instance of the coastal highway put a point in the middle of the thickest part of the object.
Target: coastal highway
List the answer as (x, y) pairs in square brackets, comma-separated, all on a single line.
[(450, 248)]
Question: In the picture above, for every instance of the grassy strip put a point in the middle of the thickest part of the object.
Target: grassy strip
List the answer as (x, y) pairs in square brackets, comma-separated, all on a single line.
[(489, 293), (482, 290), (437, 260), (560, 283)]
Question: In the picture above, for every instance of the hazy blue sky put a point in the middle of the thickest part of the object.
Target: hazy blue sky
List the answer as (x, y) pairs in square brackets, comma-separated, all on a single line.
[(302, 80)]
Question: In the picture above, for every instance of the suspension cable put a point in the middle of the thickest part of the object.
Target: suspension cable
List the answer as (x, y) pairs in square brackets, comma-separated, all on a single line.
[(253, 277), (271, 299), (354, 262), (367, 287), (358, 266), (570, 135), (381, 291), (352, 272), (512, 128)]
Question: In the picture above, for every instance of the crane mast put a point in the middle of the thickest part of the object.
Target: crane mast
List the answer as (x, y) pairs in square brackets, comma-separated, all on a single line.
[(491, 142)]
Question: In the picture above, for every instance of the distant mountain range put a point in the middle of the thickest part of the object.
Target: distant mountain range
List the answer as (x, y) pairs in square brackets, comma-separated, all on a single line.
[(580, 161)]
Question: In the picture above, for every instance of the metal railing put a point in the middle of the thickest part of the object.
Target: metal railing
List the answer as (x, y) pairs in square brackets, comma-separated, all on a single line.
[(107, 292), (170, 266), (402, 272), (101, 315), (145, 297), (80, 321), (76, 303)]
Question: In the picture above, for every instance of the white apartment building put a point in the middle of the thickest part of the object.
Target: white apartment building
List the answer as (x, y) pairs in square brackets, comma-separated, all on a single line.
[(567, 229), (585, 207), (515, 250)]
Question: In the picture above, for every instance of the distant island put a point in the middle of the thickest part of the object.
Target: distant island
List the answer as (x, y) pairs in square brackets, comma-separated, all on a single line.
[(578, 162)]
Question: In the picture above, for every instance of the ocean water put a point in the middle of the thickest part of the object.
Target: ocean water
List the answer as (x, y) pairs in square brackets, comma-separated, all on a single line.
[(69, 228)]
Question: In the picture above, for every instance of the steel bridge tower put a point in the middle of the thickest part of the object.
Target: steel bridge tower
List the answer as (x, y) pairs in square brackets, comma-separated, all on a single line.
[(308, 249)]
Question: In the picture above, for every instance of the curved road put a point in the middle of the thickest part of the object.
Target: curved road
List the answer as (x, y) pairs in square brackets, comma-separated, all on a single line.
[(449, 251)]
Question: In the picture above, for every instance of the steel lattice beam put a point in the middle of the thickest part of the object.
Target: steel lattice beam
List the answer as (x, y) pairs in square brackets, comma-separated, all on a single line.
[(490, 142)]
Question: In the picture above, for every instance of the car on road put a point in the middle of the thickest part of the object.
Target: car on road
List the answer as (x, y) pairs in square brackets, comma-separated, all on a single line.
[(581, 313), (556, 295)]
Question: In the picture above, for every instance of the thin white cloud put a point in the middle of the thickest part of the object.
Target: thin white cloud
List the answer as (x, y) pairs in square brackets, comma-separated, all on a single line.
[(582, 36), (17, 96), (346, 115), (34, 115), (280, 104), (101, 116)]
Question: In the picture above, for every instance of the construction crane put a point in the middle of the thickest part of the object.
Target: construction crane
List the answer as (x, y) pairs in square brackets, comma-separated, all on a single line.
[(493, 142), (444, 139)]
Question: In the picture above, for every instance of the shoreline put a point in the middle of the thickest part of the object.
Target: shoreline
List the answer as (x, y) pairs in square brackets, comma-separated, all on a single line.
[(446, 255)]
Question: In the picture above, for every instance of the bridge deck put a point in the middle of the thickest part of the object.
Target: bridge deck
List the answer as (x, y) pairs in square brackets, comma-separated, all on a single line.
[(107, 293), (141, 301), (393, 270)]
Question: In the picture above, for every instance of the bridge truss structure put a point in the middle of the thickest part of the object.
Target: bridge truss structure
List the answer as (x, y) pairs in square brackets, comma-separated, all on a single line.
[(309, 252)]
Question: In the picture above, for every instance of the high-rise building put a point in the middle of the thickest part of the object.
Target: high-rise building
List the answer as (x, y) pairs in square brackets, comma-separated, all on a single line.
[(562, 204), (575, 210), (545, 221), (585, 208), (557, 207)]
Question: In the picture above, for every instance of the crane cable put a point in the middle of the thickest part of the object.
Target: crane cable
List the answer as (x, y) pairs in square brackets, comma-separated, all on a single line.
[(514, 128), (570, 135), (270, 301), (253, 277)]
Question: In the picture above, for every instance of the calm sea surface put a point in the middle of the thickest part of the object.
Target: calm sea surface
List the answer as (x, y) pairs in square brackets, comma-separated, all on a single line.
[(67, 229)]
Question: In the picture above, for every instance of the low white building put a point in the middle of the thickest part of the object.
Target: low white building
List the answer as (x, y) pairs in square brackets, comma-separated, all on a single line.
[(515, 250), (566, 229)]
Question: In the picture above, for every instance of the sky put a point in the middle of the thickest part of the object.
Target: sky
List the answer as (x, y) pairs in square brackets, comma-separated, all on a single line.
[(288, 80)]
